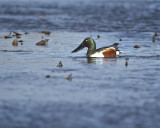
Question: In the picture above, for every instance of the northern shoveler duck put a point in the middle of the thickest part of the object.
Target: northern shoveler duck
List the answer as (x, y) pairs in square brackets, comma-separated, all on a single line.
[(109, 51)]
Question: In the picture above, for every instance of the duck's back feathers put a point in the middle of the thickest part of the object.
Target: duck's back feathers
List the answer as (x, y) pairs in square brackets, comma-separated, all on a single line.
[(109, 51), (115, 45)]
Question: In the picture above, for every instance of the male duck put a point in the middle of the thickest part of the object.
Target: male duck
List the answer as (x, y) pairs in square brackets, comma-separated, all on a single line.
[(109, 51)]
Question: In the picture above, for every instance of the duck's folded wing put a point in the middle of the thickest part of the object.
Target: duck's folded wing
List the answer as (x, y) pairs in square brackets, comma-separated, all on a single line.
[(109, 51), (115, 45)]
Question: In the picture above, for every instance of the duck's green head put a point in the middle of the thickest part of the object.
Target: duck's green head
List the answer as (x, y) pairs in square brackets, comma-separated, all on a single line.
[(87, 42)]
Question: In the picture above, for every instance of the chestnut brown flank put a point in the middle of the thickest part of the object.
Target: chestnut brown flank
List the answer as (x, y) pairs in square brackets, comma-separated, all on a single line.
[(109, 52)]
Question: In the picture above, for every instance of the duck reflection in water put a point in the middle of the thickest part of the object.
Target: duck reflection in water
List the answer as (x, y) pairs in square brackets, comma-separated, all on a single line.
[(101, 60)]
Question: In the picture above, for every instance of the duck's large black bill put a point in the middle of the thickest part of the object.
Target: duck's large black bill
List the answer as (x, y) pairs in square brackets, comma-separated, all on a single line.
[(81, 46)]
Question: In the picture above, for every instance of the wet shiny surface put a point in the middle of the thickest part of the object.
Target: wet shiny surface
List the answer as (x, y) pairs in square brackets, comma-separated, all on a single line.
[(103, 92)]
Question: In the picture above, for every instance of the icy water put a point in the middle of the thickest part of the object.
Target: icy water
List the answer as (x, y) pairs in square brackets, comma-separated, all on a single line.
[(103, 92)]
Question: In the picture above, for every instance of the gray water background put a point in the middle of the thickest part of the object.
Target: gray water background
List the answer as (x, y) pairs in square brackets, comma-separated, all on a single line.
[(103, 92), (80, 15)]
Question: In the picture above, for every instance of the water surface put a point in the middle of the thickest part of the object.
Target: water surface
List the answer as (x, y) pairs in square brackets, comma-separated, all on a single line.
[(103, 92), (81, 15)]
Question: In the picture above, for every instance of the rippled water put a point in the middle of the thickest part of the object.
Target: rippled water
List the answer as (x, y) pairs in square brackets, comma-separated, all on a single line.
[(103, 92), (82, 15)]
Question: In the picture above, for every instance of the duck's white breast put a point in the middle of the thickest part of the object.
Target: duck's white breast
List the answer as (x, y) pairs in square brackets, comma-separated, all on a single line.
[(100, 54), (97, 54)]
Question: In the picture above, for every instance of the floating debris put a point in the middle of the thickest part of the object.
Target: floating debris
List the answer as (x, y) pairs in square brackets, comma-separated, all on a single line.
[(15, 42), (21, 41), (155, 34), (127, 59), (15, 51), (60, 64), (98, 36), (120, 39), (136, 46), (42, 42), (46, 32), (26, 33), (155, 37), (48, 76), (6, 37), (17, 34), (69, 77)]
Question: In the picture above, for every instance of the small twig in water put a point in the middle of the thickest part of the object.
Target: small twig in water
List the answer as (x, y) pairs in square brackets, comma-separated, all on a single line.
[(155, 36), (69, 77), (46, 32), (60, 64), (42, 42), (127, 59), (136, 46), (15, 43)]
